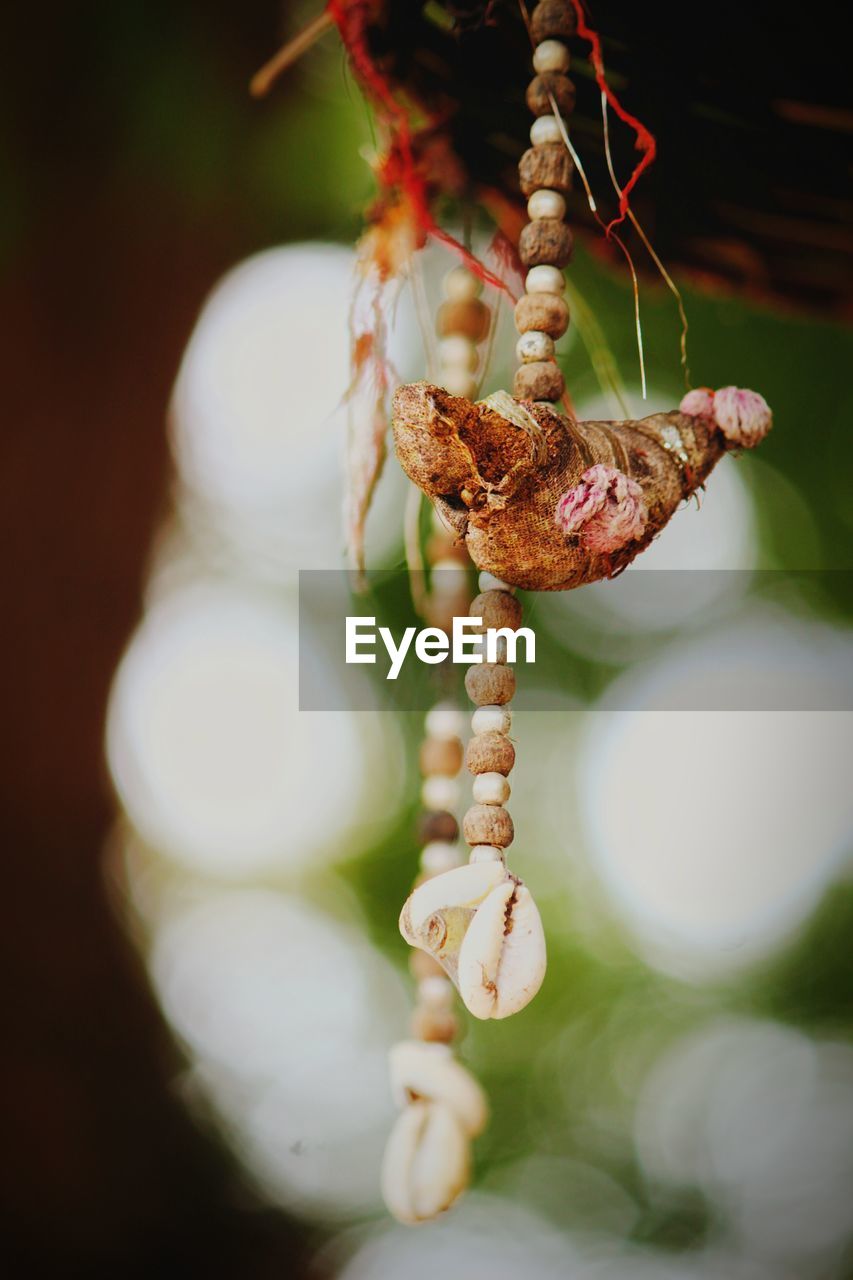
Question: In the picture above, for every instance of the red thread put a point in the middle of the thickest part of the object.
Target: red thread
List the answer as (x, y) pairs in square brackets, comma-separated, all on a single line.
[(645, 139), (351, 17)]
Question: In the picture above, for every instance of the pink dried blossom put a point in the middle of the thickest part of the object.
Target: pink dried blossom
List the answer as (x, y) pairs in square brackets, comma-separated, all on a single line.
[(698, 403), (743, 416), (607, 508)]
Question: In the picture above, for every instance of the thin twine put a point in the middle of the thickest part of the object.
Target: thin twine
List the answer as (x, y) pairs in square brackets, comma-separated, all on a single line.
[(667, 278), (646, 142), (607, 229)]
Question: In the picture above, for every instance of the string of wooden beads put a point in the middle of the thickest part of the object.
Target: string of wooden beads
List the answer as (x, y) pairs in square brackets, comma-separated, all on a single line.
[(463, 323), (545, 174), (441, 758), (487, 826)]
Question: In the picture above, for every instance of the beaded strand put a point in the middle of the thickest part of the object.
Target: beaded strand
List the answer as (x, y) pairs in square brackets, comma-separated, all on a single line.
[(462, 324), (487, 826), (545, 175)]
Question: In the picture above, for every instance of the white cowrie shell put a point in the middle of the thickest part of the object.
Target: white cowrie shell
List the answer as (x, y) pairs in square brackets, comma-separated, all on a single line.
[(436, 915), (426, 1164), (430, 1071), (502, 958)]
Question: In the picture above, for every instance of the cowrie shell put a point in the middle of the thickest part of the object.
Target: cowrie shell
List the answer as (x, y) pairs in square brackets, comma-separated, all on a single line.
[(427, 1162), (436, 916), (430, 1071), (502, 958)]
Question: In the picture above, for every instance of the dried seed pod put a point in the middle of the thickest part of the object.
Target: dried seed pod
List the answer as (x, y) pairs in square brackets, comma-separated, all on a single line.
[(544, 312), (469, 317), (430, 1071), (490, 682), (434, 1026), (553, 20), (441, 756), (549, 165), (488, 824), (551, 84), (497, 609), (538, 380), (514, 478), (502, 960), (437, 913), (546, 240), (490, 752), (437, 825), (426, 1164)]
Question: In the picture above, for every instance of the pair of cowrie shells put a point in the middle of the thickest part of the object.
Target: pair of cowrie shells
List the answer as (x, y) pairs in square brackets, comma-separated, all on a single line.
[(427, 1162), (482, 926)]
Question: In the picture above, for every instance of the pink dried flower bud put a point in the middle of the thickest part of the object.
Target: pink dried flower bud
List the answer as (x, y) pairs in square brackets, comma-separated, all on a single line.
[(698, 403), (607, 508), (743, 416)]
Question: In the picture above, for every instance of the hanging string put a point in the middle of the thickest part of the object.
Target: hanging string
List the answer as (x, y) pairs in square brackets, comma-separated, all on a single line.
[(667, 278), (646, 142)]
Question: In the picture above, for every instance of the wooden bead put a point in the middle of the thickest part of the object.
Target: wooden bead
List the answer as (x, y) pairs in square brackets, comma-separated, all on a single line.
[(491, 720), (497, 609), (546, 240), (546, 204), (458, 352), (540, 380), (443, 721), (486, 853), (544, 312), (470, 317), (422, 965), (438, 856), (534, 346), (488, 824), (551, 85), (440, 792), (459, 382), (491, 788), (548, 165), (461, 285), (553, 20), (435, 993), (441, 755), (490, 753), (490, 682), (437, 825), (434, 1025), (545, 129), (551, 55), (544, 279), (488, 582)]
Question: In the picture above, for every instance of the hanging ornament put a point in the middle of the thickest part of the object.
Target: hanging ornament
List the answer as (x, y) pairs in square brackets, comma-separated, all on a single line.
[(537, 500)]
